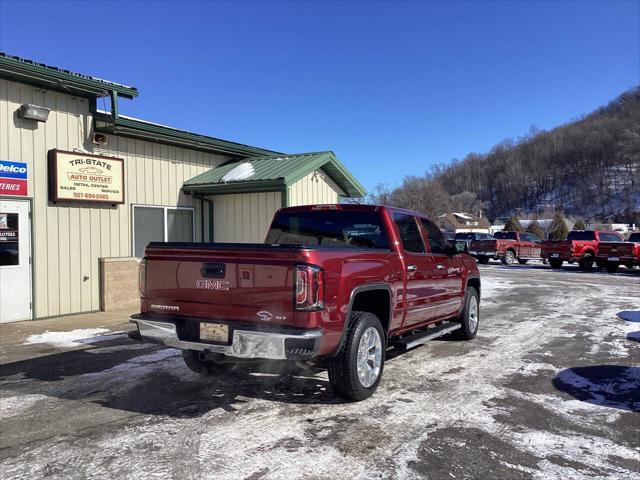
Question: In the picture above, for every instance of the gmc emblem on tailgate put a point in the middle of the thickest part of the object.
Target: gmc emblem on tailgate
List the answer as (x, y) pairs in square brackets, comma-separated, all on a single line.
[(212, 284)]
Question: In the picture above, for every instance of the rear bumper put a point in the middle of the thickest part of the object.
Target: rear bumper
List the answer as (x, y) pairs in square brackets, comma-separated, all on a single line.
[(565, 257), (284, 344), (483, 253)]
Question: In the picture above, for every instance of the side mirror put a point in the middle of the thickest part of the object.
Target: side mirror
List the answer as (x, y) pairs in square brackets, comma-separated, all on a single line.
[(460, 247)]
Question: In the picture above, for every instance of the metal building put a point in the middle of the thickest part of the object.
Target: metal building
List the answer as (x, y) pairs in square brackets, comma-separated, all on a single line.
[(82, 191)]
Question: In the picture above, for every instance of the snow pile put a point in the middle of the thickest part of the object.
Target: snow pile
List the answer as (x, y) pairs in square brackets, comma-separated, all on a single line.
[(239, 172), (73, 338)]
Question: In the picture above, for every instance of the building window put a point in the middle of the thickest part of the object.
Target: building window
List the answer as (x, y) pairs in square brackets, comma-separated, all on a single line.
[(161, 224)]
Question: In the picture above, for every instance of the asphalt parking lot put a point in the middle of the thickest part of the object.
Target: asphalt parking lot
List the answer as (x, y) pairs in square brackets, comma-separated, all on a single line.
[(549, 389)]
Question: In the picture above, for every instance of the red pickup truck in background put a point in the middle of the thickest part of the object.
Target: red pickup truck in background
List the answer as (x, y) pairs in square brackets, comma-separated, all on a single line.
[(580, 246), (614, 254), (507, 247), (334, 285)]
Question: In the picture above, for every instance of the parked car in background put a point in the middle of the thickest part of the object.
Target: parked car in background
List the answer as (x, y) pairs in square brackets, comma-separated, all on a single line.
[(614, 254), (580, 246), (469, 237), (332, 284), (507, 247)]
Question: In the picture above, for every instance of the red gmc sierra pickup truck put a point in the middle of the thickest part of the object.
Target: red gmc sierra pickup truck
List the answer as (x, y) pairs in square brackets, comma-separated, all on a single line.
[(335, 285), (614, 254), (507, 247), (580, 246)]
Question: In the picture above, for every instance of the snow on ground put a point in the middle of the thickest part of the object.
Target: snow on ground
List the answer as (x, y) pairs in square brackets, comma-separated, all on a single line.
[(73, 338), (513, 403)]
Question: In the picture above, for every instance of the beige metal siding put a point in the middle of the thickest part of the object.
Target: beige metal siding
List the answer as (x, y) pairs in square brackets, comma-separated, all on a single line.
[(315, 188), (244, 217), (70, 238)]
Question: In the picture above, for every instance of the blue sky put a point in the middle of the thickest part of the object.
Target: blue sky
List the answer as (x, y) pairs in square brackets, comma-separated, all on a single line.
[(390, 87)]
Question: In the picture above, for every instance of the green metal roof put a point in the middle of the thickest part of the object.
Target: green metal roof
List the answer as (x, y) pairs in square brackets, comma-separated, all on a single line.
[(136, 128), (275, 172), (54, 78)]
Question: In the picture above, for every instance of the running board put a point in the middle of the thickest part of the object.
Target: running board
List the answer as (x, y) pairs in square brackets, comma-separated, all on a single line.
[(424, 336)]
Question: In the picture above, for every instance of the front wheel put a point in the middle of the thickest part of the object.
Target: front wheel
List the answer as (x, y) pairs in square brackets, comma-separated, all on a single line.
[(509, 257), (470, 316), (586, 264), (356, 371)]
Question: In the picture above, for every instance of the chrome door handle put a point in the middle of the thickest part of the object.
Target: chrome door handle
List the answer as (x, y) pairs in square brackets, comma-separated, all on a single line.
[(440, 267), (412, 268)]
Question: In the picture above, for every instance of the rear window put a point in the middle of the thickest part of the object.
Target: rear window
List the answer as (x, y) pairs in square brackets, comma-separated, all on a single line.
[(465, 236), (581, 235), (634, 237), (329, 228), (609, 237), (506, 235)]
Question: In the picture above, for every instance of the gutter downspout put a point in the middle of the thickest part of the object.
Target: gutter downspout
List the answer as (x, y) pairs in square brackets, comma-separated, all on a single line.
[(210, 204)]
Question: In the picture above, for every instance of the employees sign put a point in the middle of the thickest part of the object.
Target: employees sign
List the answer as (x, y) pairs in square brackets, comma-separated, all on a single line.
[(75, 176)]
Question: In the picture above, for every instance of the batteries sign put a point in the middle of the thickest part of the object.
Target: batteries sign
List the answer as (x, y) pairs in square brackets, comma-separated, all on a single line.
[(13, 178)]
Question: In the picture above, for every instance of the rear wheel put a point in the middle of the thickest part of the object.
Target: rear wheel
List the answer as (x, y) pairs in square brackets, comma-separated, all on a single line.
[(483, 259), (509, 257), (586, 263), (555, 263), (612, 267), (470, 316), (356, 371), (197, 362), (522, 261)]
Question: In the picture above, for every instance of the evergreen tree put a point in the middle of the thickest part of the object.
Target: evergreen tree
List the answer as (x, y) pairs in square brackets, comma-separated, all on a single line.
[(579, 225), (558, 229), (513, 225), (535, 228)]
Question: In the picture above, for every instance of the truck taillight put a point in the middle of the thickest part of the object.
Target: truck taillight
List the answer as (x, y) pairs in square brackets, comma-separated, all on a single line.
[(142, 277), (309, 288)]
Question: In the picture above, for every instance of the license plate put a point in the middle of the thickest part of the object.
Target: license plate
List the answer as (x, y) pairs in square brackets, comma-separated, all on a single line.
[(214, 332), (555, 255), (613, 259)]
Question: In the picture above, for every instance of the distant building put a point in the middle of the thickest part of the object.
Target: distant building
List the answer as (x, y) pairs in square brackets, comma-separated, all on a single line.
[(610, 227), (463, 222)]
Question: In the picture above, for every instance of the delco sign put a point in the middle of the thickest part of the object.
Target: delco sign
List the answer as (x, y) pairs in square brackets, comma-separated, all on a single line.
[(13, 178)]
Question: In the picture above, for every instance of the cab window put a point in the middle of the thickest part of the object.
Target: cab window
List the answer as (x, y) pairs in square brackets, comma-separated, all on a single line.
[(437, 242), (609, 237), (409, 233)]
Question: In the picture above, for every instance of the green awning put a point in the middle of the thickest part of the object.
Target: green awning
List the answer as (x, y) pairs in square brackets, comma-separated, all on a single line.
[(270, 173)]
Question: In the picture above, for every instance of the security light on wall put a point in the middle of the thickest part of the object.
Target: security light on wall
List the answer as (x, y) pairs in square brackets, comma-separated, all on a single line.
[(34, 112)]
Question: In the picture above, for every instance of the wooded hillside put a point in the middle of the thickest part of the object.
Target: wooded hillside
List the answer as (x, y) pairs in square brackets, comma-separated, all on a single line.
[(589, 168)]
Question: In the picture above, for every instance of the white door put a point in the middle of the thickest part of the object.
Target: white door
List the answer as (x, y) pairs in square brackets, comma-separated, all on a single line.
[(15, 266)]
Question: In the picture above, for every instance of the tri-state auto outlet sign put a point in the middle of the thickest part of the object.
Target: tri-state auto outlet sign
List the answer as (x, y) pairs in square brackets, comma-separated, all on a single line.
[(81, 177), (13, 178)]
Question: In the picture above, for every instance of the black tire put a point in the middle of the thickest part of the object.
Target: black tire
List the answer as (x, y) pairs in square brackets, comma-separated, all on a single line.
[(612, 267), (522, 261), (197, 363), (509, 257), (343, 369), (468, 331), (586, 262), (483, 259), (555, 263)]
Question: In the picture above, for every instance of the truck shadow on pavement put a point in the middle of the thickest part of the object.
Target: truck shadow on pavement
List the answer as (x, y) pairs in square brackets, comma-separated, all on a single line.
[(153, 380), (613, 386)]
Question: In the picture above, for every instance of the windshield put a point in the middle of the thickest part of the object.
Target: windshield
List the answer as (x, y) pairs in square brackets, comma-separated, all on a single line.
[(506, 235), (581, 235), (328, 228)]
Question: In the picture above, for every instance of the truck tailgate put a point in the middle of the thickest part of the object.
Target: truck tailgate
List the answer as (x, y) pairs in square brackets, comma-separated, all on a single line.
[(483, 246), (615, 249), (241, 283), (551, 247)]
